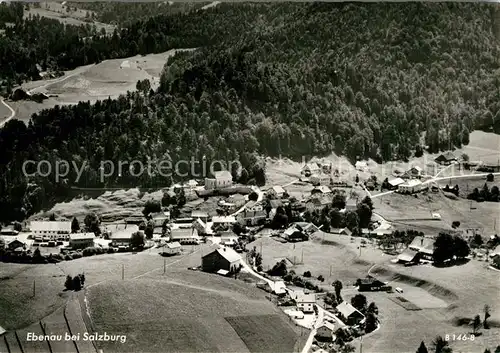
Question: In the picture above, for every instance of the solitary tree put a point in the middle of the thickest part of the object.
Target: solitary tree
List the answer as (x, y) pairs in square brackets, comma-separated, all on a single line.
[(52, 217), (372, 308), (359, 302), (77, 284), (486, 316), (347, 349), (371, 322), (422, 348), (476, 322), (69, 283), (137, 240), (338, 288), (75, 225)]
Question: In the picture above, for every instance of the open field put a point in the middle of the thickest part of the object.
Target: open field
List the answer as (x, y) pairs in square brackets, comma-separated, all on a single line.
[(444, 295), (109, 78), (188, 312), (396, 207)]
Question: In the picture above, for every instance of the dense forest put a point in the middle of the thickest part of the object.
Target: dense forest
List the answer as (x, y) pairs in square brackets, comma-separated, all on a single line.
[(382, 80)]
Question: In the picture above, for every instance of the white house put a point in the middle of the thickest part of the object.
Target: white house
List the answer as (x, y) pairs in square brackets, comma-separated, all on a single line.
[(306, 302), (361, 166), (411, 186), (173, 248), (277, 191), (352, 315), (185, 235), (51, 229), (81, 240), (222, 179)]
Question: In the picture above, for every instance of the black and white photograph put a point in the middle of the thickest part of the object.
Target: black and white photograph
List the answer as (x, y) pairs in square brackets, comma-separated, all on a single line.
[(249, 176)]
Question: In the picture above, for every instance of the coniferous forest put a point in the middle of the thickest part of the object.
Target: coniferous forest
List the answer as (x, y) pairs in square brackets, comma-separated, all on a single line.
[(379, 81)]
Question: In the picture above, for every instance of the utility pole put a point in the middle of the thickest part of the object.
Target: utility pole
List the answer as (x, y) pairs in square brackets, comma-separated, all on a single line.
[(34, 288), (302, 258), (123, 272), (164, 265)]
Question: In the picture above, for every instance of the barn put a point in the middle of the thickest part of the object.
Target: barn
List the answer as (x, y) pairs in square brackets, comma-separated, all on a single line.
[(221, 259)]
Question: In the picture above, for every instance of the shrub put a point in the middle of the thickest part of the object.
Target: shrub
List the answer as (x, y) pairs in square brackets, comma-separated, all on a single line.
[(77, 255), (321, 278), (68, 257), (307, 274)]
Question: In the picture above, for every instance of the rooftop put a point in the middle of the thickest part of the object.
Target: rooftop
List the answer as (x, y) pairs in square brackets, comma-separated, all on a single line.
[(412, 182), (55, 226), (223, 219), (79, 236), (223, 174), (174, 245), (347, 309), (227, 253), (396, 181)]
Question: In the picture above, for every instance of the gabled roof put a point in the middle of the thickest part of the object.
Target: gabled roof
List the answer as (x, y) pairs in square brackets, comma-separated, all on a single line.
[(306, 298), (422, 244), (396, 181), (447, 156), (347, 309), (199, 214), (227, 253), (160, 215), (408, 255), (417, 168), (80, 236), (183, 233), (328, 325), (311, 166), (223, 219), (278, 189), (340, 231), (223, 174), (173, 245), (323, 189)]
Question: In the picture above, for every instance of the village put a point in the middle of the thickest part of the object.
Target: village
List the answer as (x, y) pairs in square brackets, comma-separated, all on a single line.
[(237, 221)]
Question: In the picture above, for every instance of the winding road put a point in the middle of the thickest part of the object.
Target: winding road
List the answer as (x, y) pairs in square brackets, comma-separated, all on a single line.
[(12, 113)]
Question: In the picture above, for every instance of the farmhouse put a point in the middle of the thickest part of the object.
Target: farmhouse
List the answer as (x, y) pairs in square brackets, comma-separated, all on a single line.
[(446, 158), (251, 218), (197, 214), (361, 166), (310, 168), (306, 302), (413, 172), (318, 203), (351, 205), (408, 256), (394, 183), (295, 233), (51, 229), (424, 246), (221, 179), (123, 237), (221, 259), (320, 179), (16, 244), (160, 218), (172, 248), (276, 192), (185, 235), (340, 231), (352, 315), (371, 284), (81, 240), (325, 332), (321, 190), (223, 220), (411, 186)]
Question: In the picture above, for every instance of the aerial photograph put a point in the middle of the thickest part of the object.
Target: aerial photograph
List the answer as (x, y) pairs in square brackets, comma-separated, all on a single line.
[(249, 177)]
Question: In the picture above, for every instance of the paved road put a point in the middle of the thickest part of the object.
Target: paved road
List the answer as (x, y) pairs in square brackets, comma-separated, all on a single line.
[(12, 113)]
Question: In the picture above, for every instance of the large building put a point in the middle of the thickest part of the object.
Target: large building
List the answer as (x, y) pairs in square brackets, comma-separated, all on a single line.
[(446, 158), (51, 230), (81, 240), (411, 186), (221, 259), (185, 235), (121, 234), (222, 179)]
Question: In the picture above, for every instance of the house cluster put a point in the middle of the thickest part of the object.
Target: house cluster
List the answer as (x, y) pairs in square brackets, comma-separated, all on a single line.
[(409, 182), (420, 249), (318, 174)]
